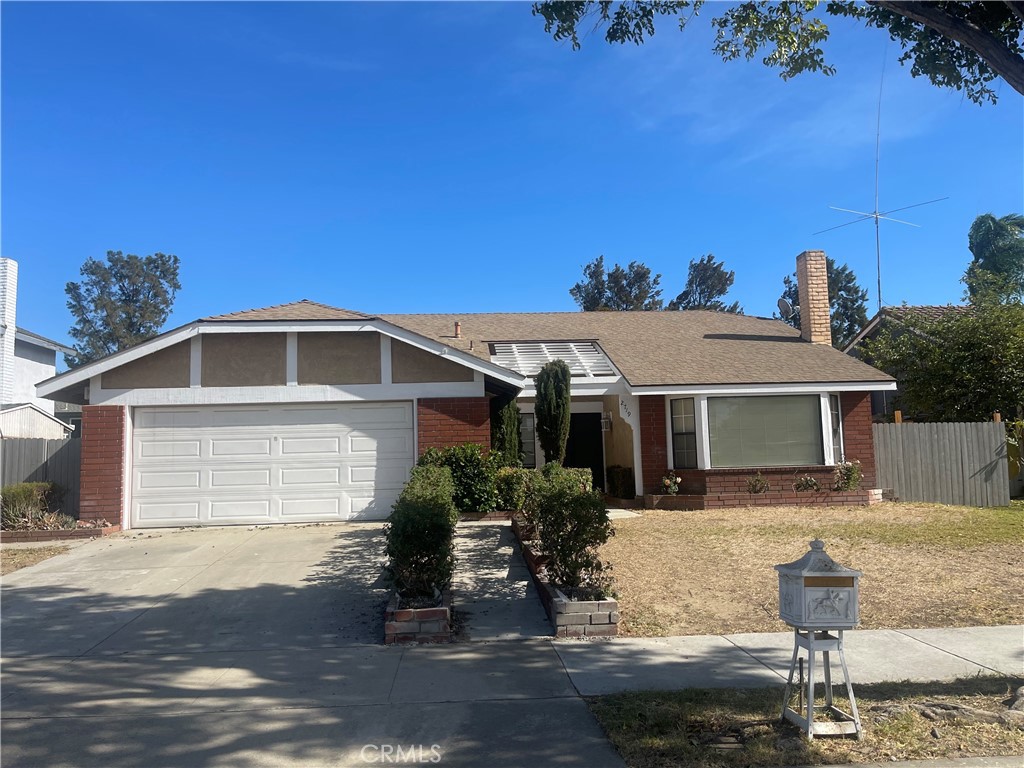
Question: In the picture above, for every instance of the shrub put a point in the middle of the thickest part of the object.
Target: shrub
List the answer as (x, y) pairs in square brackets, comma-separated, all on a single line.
[(506, 434), (758, 484), (512, 484), (552, 409), (421, 534), (621, 482), (847, 476), (806, 483), (33, 506), (670, 482), (473, 475), (573, 524)]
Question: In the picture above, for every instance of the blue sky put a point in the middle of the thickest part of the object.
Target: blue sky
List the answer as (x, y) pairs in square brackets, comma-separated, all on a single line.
[(452, 157)]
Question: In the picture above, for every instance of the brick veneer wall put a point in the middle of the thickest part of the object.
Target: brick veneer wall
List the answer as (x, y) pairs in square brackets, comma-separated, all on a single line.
[(857, 436), (653, 442), (447, 421), (101, 494)]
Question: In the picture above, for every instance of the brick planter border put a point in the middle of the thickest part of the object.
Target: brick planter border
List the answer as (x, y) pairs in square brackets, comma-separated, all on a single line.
[(11, 537), (570, 618), (404, 626)]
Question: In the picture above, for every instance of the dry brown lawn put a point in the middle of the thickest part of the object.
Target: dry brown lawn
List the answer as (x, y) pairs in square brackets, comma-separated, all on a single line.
[(13, 558), (925, 565)]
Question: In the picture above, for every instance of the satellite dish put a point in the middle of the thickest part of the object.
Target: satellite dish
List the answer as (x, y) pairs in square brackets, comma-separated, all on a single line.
[(785, 310)]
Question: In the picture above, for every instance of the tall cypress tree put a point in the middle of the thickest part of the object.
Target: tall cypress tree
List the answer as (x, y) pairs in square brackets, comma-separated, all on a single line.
[(552, 409), (506, 434)]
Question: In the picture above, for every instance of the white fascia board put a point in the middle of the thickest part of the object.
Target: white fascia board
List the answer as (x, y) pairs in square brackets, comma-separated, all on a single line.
[(309, 393), (88, 371), (872, 324), (767, 389), (598, 385), (29, 338)]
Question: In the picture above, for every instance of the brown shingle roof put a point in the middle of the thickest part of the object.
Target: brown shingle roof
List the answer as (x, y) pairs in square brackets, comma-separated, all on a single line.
[(296, 311), (930, 312), (662, 348)]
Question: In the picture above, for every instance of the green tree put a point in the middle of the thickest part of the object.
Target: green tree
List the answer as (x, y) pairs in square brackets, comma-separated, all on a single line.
[(847, 303), (621, 289), (997, 268), (552, 409), (958, 45), (961, 367), (506, 434), (707, 282), (120, 303)]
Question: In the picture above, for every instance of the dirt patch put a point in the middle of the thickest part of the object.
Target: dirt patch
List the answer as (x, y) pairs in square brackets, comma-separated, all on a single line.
[(14, 558), (925, 565)]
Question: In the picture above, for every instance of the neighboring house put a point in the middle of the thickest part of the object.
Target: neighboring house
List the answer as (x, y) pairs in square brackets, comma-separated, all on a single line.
[(29, 420), (893, 319), (26, 358), (305, 412)]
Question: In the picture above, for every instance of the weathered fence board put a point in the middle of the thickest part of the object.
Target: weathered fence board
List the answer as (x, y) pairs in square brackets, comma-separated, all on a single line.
[(24, 459), (949, 463)]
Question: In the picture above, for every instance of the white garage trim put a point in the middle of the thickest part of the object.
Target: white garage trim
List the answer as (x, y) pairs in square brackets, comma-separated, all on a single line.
[(266, 464)]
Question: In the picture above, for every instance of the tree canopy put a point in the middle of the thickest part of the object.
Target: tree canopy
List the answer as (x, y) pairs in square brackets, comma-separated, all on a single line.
[(997, 268), (846, 299), (959, 45), (120, 303), (961, 367), (622, 289), (706, 283)]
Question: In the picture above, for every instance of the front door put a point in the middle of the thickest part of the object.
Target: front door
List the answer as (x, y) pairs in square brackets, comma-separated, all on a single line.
[(585, 447)]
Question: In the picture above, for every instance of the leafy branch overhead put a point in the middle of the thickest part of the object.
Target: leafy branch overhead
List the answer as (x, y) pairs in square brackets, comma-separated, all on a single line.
[(120, 303), (964, 46)]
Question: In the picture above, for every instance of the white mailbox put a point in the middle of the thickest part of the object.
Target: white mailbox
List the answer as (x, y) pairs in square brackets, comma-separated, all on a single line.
[(816, 592)]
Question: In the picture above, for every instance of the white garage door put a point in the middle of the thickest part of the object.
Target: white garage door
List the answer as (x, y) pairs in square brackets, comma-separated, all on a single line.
[(234, 465)]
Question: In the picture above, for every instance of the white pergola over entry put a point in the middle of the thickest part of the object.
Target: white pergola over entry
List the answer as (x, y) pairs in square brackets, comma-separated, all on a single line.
[(584, 358)]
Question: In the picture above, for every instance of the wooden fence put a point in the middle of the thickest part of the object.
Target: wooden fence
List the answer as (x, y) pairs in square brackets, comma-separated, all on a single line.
[(949, 463), (25, 459)]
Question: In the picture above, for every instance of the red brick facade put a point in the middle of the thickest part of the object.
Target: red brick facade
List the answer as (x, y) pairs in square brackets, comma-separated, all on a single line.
[(719, 484), (102, 491), (445, 421)]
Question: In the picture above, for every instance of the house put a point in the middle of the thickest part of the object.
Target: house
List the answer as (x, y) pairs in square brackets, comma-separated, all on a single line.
[(305, 412), (29, 420), (26, 358), (885, 402)]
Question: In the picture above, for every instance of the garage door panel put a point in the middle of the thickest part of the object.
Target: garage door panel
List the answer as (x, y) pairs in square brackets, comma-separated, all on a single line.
[(224, 465), (231, 478)]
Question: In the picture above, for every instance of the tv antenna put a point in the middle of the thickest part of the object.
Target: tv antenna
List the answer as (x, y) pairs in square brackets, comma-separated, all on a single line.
[(876, 214)]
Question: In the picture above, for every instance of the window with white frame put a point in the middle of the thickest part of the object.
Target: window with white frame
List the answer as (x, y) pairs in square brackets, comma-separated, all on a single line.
[(684, 433), (837, 428), (528, 434), (765, 431)]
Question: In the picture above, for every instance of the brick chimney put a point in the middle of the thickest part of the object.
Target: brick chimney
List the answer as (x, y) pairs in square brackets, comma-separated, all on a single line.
[(812, 284)]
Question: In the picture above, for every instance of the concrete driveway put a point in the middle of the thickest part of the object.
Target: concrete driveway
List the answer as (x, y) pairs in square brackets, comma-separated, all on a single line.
[(243, 646)]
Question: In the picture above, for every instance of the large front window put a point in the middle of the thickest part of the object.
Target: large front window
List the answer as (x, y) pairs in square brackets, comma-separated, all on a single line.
[(768, 431)]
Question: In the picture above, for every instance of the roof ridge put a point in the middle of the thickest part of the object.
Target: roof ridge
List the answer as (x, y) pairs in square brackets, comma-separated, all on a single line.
[(308, 302)]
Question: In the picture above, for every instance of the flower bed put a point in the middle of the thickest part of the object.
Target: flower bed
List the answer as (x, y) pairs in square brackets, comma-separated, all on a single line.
[(418, 625), (7, 537)]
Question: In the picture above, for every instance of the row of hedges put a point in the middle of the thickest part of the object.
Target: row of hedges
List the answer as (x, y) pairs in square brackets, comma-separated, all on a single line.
[(33, 507)]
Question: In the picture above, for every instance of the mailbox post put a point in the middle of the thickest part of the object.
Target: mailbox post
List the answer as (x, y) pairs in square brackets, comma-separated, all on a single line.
[(819, 598)]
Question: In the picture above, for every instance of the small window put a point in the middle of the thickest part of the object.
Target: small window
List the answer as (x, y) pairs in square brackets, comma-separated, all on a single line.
[(837, 428), (529, 441), (684, 434)]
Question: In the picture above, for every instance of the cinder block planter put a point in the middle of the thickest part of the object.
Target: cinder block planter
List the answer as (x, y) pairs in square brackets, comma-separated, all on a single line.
[(570, 618), (405, 626), (679, 502), (791, 497), (7, 537)]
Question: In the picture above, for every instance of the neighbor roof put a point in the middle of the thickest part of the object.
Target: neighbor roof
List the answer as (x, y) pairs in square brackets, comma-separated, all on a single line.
[(41, 341), (928, 312), (662, 348), (296, 311)]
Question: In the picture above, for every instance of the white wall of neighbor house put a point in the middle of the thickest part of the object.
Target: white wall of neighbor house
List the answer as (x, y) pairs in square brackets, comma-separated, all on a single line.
[(32, 364), (8, 319)]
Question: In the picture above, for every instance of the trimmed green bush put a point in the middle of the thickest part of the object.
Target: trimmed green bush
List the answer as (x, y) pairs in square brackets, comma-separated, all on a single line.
[(473, 473), (512, 484), (621, 482), (506, 434), (552, 409), (421, 534), (573, 524)]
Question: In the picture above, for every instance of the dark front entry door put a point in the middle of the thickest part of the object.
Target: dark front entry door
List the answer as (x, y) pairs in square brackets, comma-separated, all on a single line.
[(585, 445)]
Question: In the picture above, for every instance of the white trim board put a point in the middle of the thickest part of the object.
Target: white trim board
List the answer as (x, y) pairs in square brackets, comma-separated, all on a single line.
[(812, 388)]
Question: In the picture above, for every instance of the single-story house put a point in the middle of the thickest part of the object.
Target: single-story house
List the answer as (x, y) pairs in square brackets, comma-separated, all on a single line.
[(305, 412), (893, 319)]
